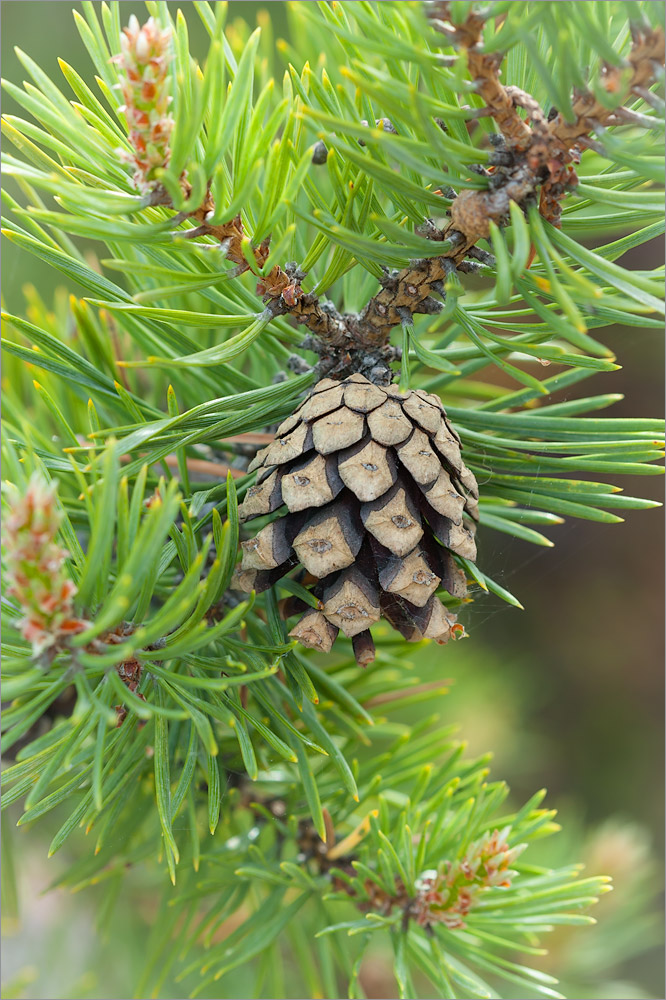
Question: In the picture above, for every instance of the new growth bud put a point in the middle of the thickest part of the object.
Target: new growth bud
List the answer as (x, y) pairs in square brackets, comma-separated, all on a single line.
[(35, 566), (447, 894), (144, 61)]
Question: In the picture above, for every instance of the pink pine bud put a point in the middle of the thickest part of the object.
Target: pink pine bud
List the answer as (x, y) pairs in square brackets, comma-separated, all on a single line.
[(447, 894), (144, 62), (36, 571)]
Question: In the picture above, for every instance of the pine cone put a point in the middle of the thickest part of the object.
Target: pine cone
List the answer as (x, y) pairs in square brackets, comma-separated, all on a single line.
[(375, 489)]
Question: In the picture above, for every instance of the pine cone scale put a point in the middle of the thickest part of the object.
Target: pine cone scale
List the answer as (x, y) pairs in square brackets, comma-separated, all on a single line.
[(443, 498), (363, 397), (311, 483), (337, 430), (321, 403), (423, 412), (352, 602), (394, 520), (330, 541), (388, 424), (419, 458), (367, 469)]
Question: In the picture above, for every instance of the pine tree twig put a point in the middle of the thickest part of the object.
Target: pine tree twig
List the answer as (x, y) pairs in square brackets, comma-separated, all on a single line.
[(342, 341), (346, 342), (653, 100), (647, 50), (339, 339), (538, 151), (625, 116), (545, 148), (408, 291), (531, 153), (281, 288)]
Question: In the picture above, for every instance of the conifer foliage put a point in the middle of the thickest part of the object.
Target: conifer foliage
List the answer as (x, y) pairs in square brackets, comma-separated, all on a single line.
[(283, 258)]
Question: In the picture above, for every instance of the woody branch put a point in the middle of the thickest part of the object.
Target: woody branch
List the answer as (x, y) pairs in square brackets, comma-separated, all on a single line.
[(534, 157)]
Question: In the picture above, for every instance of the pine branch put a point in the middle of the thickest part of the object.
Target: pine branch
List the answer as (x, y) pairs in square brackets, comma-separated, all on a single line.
[(543, 147), (536, 153), (283, 789)]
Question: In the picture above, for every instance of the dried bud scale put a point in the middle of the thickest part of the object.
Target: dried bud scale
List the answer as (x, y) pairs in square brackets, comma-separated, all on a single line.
[(378, 501)]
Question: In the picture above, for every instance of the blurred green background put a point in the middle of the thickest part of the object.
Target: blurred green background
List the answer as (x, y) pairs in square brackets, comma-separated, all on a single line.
[(568, 694)]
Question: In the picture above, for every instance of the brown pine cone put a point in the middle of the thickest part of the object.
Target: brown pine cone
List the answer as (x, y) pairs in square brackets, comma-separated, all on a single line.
[(375, 489)]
